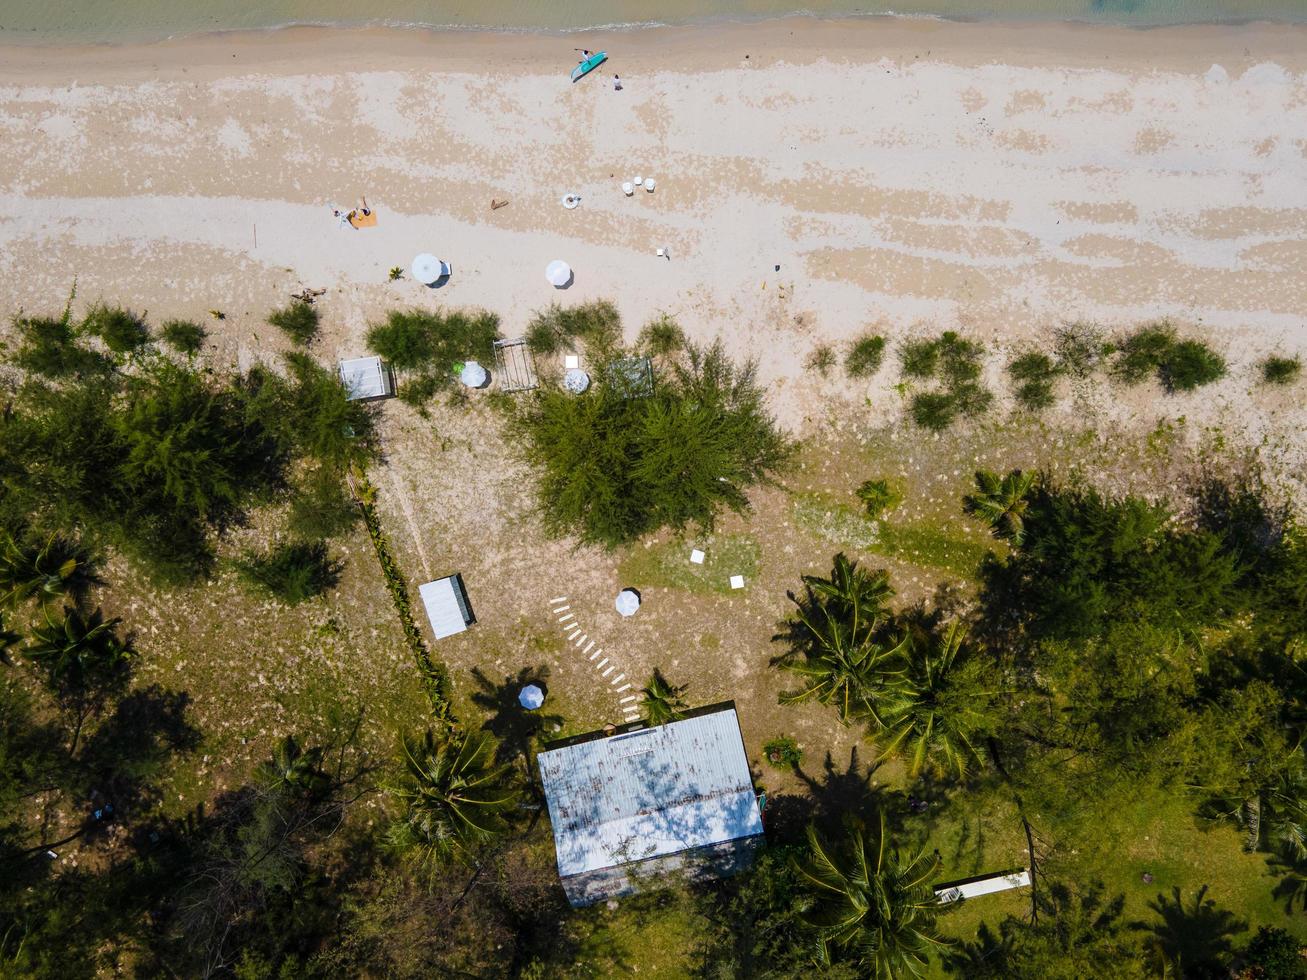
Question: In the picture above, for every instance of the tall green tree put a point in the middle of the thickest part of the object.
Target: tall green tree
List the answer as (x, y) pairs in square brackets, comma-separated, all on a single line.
[(837, 643), (871, 902), (452, 798), (1000, 501), (661, 700), (944, 705)]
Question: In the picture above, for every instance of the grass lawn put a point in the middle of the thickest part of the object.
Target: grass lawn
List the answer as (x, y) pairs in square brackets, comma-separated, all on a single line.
[(667, 564)]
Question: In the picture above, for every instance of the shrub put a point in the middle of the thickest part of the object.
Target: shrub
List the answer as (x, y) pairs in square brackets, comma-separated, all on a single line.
[(1275, 954), (320, 505), (597, 325), (291, 572), (183, 336), (1190, 364), (1143, 352), (661, 337), (865, 356), (959, 359), (821, 359), (121, 330), (783, 752), (49, 347), (1079, 348), (878, 496), (298, 321), (1035, 374), (396, 273), (919, 358), (934, 410), (434, 341), (1281, 370)]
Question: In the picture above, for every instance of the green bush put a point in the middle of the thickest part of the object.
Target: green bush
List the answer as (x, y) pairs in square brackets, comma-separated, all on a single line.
[(596, 325), (1190, 364), (1142, 352), (783, 752), (1079, 348), (661, 337), (878, 496), (934, 410), (183, 336), (49, 347), (613, 466), (121, 330), (428, 345), (865, 356), (821, 359), (320, 505), (1035, 374), (291, 572), (1281, 370), (959, 359), (919, 358), (298, 321)]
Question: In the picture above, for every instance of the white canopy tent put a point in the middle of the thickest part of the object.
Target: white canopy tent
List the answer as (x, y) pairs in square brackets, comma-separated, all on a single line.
[(366, 377)]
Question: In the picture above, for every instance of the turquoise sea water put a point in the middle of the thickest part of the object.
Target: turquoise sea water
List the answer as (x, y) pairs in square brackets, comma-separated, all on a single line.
[(49, 21)]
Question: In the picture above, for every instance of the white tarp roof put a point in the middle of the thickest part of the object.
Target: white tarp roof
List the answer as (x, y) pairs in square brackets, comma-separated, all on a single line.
[(648, 793), (364, 377), (984, 886), (444, 601)]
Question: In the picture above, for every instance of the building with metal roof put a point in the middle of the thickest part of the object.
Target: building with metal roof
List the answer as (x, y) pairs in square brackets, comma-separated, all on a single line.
[(366, 378), (648, 801), (447, 605)]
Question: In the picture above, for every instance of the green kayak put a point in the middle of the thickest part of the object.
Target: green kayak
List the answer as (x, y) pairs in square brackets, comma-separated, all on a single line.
[(589, 65)]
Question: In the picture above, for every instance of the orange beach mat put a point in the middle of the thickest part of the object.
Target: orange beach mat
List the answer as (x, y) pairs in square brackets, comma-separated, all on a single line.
[(361, 220)]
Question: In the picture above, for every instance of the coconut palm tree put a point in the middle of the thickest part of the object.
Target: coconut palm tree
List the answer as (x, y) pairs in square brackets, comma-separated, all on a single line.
[(452, 797), (80, 652), (835, 645), (870, 902), (662, 702), (1000, 501), (55, 569), (943, 705), (294, 767)]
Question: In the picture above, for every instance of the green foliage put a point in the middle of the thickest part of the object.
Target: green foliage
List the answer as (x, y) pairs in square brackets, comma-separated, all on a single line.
[(320, 505), (919, 358), (596, 325), (820, 359), (80, 654), (1275, 954), (1143, 352), (955, 361), (865, 356), (317, 418), (836, 643), (426, 345), (662, 337), (614, 467), (662, 701), (396, 273), (934, 410), (452, 800), (183, 336), (1281, 370), (49, 347), (291, 572), (872, 903), (1189, 364), (878, 496), (50, 569), (783, 752), (1001, 501), (1181, 365), (1034, 374), (122, 331), (298, 320), (667, 566)]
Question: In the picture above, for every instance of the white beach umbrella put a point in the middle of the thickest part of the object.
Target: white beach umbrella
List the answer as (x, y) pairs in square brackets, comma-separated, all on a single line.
[(531, 697), (627, 602), (426, 268), (576, 381), (559, 273), (473, 375)]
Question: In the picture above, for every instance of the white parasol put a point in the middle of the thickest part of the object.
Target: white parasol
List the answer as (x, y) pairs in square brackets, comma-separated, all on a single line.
[(576, 381), (627, 602), (473, 375), (559, 273), (426, 268)]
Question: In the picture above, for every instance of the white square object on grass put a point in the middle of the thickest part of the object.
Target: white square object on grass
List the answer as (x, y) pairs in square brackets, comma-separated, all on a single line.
[(571, 362), (737, 581), (696, 556)]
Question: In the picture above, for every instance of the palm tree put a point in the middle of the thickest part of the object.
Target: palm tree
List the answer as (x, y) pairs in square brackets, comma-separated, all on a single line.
[(1000, 501), (662, 702), (452, 797), (57, 569), (943, 705), (80, 653), (834, 642), (294, 767), (870, 901)]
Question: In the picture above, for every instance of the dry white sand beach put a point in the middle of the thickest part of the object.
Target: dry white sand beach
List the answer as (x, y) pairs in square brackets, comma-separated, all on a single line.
[(915, 175)]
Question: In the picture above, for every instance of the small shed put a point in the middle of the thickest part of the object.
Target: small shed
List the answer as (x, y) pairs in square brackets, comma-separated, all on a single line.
[(648, 801), (366, 378), (447, 605)]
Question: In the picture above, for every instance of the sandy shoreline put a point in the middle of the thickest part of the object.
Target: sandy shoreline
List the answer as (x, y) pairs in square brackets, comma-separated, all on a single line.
[(908, 175)]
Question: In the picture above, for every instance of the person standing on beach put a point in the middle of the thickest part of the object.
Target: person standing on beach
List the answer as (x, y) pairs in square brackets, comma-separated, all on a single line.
[(617, 83)]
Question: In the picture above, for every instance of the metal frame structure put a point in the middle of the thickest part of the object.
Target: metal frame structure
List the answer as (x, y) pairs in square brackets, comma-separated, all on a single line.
[(514, 366)]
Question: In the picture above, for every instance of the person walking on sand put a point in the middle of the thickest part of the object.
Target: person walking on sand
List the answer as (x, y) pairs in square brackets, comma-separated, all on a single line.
[(617, 83)]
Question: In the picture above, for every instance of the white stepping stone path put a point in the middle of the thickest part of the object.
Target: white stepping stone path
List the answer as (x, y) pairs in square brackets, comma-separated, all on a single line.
[(594, 654)]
